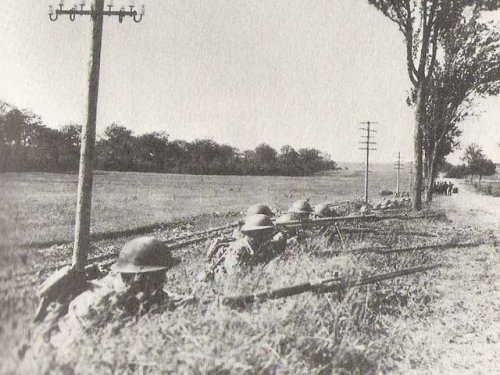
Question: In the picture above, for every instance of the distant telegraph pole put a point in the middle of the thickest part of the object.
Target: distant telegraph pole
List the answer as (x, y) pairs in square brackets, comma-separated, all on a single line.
[(85, 176), (398, 168), (367, 146)]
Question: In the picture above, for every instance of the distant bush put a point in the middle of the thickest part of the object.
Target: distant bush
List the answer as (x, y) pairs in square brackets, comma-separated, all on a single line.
[(386, 192), (457, 171), (492, 189)]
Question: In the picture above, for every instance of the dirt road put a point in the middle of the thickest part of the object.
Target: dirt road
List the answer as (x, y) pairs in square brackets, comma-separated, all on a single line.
[(463, 334), (471, 208)]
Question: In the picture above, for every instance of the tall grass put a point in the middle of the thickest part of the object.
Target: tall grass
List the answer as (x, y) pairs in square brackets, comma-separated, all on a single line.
[(357, 331)]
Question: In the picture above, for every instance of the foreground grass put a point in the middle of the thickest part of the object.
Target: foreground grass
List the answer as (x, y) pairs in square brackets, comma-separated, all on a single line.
[(351, 333)]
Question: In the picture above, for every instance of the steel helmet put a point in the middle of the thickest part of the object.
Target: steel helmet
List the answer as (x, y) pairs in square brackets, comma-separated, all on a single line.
[(301, 206), (143, 254), (257, 222), (323, 210), (259, 209), (287, 218)]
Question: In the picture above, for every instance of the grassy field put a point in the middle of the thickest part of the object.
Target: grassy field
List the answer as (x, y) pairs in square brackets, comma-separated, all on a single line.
[(39, 207), (369, 330)]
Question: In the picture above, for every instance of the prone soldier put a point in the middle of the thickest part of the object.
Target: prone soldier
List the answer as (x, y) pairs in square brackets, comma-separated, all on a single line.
[(217, 243), (323, 210), (258, 245), (299, 211), (135, 288), (301, 208)]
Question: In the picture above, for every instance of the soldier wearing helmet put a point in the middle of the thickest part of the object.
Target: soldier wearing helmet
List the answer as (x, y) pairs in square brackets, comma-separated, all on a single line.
[(302, 208), (135, 288), (141, 266), (299, 211), (258, 245), (259, 208), (323, 210), (217, 243)]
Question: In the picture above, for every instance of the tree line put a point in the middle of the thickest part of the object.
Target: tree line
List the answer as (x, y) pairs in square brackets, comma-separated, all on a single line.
[(475, 164), (27, 145)]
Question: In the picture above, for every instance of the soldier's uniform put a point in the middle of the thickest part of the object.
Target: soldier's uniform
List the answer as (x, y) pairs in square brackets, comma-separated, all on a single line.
[(257, 246), (218, 244), (142, 264), (246, 252), (294, 234), (323, 210), (300, 210)]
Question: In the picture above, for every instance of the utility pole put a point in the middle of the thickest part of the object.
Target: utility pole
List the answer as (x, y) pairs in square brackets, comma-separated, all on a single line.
[(398, 168), (85, 175), (367, 146)]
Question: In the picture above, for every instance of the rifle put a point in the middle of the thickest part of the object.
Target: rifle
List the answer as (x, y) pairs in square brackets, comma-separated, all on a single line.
[(204, 233), (321, 287), (324, 221), (382, 250), (351, 230)]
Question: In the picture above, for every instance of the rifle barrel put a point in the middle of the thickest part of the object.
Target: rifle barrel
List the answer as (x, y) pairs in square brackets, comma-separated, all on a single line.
[(223, 228), (328, 220), (324, 286)]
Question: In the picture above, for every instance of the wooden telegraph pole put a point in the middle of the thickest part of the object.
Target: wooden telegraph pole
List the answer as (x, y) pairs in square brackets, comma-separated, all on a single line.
[(367, 143), (398, 168), (85, 176)]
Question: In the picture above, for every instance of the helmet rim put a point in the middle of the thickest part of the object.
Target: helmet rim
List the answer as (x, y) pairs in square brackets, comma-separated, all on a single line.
[(254, 224), (143, 255), (132, 268)]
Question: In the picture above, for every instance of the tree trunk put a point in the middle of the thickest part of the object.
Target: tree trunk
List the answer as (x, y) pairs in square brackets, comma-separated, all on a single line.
[(431, 175), (417, 147)]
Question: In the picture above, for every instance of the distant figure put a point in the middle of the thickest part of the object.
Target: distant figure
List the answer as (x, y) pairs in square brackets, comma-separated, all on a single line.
[(450, 188), (444, 188)]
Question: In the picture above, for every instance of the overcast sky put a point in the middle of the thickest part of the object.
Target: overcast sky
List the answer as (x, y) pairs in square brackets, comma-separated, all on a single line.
[(296, 72)]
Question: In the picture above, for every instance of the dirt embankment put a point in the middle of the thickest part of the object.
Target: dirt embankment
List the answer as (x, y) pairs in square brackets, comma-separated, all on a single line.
[(463, 333)]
